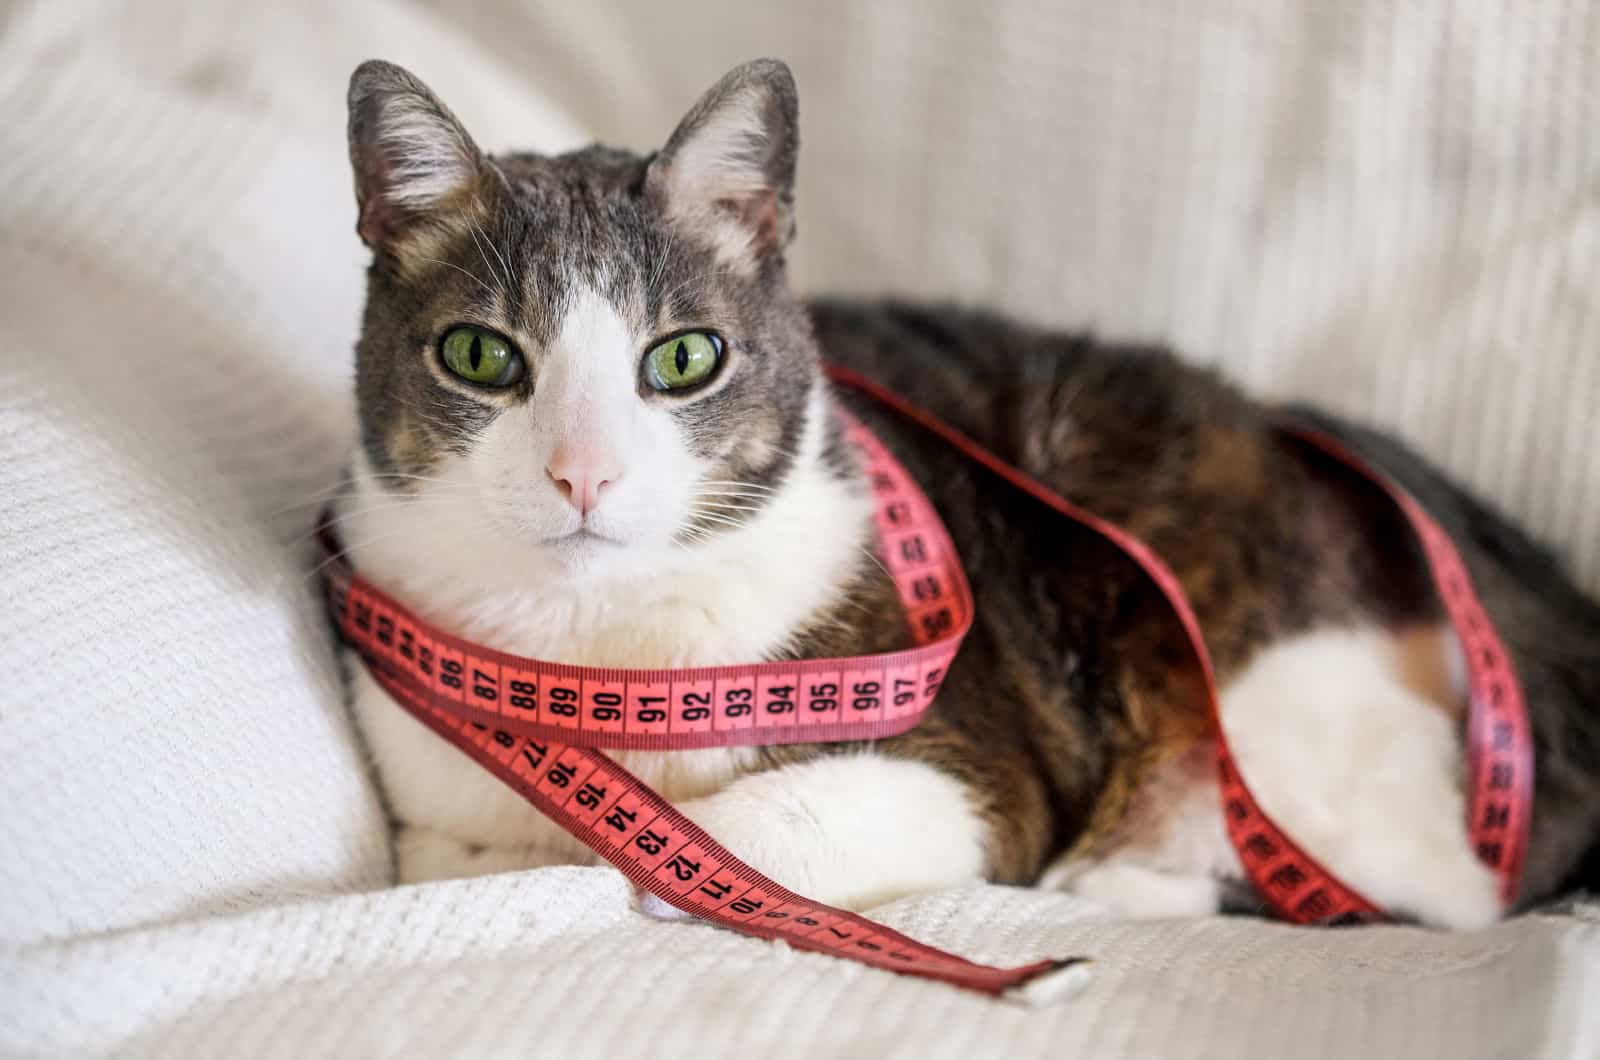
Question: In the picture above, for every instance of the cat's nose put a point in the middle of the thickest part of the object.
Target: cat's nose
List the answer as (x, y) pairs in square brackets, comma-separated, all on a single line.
[(580, 473)]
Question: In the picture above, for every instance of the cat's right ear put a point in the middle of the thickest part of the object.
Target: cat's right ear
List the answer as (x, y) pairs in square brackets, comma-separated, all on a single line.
[(412, 159), (727, 173)]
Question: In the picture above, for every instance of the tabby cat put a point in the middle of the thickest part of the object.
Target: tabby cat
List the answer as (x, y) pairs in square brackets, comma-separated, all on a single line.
[(594, 429)]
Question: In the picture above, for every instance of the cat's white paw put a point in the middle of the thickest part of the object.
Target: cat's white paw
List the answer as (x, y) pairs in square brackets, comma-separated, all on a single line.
[(1457, 890), (852, 831), (764, 826), (1376, 796)]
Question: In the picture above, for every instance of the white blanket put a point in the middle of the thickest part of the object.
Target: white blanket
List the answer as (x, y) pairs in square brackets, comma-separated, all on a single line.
[(1387, 207)]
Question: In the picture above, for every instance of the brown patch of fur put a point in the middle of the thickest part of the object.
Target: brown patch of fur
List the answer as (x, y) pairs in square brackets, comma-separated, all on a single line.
[(1422, 657), (1160, 732), (412, 450)]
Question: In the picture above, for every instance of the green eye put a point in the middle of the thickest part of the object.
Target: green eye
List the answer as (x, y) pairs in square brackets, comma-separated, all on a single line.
[(683, 360), (481, 357)]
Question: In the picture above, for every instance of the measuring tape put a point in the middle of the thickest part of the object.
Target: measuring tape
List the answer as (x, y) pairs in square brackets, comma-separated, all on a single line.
[(538, 725)]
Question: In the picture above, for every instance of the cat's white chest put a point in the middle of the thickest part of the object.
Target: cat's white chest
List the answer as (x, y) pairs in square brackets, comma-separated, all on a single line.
[(733, 600), (431, 785)]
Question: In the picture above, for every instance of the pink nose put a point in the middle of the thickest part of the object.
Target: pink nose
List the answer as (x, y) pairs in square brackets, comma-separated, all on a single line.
[(580, 473)]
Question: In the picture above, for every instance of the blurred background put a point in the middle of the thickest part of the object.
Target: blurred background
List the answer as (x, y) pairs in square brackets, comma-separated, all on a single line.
[(1393, 209)]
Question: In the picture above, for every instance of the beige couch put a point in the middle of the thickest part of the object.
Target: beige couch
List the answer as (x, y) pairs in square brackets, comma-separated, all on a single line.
[(1390, 208)]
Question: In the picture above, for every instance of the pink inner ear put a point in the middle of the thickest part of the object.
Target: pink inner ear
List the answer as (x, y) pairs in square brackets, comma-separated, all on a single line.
[(378, 219), (757, 211), (377, 222)]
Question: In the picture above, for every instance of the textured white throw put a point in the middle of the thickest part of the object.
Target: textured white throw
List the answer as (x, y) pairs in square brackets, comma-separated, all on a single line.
[(1388, 207)]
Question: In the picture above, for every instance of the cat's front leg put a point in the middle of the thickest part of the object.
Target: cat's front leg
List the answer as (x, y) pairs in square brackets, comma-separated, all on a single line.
[(852, 830)]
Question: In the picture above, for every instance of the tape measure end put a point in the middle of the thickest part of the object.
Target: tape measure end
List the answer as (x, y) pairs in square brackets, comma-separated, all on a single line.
[(1056, 982)]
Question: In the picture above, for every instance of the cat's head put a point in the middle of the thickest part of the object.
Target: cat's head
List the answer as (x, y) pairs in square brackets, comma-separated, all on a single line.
[(594, 358)]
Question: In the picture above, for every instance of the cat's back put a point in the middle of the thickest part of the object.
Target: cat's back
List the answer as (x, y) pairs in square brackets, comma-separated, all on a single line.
[(1121, 429), (1264, 543), (1005, 381)]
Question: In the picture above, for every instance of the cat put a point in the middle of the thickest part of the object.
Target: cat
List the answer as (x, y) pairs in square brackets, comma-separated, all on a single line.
[(594, 428)]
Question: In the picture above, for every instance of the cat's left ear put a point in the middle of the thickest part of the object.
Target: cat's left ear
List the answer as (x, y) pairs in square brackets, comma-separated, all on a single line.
[(727, 173), (412, 159)]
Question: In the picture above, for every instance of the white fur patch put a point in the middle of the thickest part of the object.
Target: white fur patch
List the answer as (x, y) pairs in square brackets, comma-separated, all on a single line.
[(1357, 767), (1362, 772)]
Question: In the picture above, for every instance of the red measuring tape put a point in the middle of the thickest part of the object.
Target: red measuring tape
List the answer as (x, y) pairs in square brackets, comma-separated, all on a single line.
[(538, 725)]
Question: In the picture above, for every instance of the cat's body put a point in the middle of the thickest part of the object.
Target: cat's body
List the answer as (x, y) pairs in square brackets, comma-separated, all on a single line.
[(1067, 741)]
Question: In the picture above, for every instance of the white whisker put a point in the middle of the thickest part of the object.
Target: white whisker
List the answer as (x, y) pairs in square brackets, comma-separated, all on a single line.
[(333, 490), (497, 256), (738, 495), (473, 228), (873, 556), (717, 505), (680, 285), (348, 548), (742, 485), (722, 520), (660, 269), (338, 517), (475, 279)]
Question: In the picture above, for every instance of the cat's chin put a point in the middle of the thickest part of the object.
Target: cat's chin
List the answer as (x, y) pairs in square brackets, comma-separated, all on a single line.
[(582, 549), (590, 557), (582, 538)]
